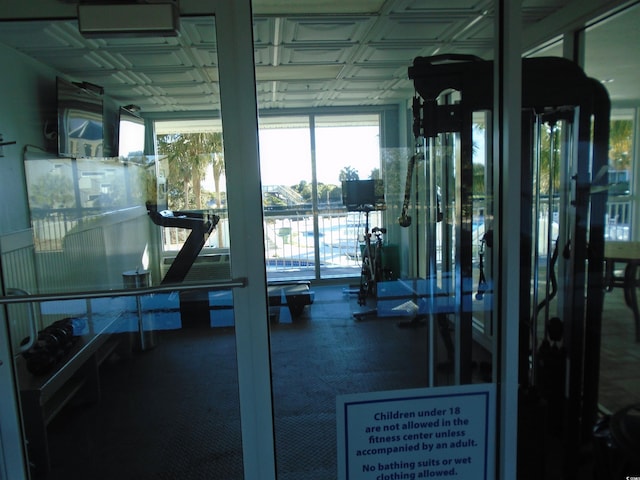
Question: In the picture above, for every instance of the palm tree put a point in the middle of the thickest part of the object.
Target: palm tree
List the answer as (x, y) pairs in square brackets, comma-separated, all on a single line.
[(189, 155), (173, 146), (214, 143)]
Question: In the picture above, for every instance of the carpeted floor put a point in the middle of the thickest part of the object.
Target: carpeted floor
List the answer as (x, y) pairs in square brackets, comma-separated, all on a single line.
[(172, 412)]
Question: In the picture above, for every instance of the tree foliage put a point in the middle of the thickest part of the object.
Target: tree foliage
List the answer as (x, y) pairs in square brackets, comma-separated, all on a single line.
[(52, 191), (348, 173), (620, 144), (189, 156)]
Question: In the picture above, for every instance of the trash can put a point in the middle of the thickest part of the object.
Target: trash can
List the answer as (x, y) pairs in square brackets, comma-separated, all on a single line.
[(136, 278), (145, 336)]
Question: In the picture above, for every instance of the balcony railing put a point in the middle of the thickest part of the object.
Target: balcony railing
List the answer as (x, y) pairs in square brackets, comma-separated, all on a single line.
[(294, 246), (292, 249)]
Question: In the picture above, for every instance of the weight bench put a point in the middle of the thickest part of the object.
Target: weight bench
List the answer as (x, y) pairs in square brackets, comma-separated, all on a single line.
[(295, 295), (43, 396)]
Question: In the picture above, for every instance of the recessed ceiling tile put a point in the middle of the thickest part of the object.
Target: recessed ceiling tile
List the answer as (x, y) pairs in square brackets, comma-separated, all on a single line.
[(297, 72), (205, 56), (378, 72), (197, 99), (168, 77), (263, 29), (321, 30), (294, 7), (179, 89), (361, 85), (364, 95), (403, 84), (263, 55), (198, 31), (395, 54), (300, 99), (413, 28), (307, 86), (155, 58), (300, 55), (438, 7)]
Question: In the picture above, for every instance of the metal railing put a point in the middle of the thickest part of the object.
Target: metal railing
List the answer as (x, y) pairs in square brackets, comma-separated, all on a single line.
[(292, 246)]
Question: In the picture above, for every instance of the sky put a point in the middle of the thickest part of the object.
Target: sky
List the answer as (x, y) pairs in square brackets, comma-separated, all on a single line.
[(285, 153), (285, 156)]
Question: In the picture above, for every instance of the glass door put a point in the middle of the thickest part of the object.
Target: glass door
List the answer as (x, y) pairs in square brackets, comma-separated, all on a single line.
[(128, 362)]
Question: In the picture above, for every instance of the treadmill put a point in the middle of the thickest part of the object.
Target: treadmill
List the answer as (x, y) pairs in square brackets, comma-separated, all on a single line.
[(195, 305)]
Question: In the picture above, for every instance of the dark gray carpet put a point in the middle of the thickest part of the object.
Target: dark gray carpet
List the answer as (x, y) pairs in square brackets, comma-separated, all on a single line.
[(172, 412)]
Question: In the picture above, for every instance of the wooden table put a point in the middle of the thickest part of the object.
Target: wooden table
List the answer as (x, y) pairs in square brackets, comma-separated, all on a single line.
[(627, 253)]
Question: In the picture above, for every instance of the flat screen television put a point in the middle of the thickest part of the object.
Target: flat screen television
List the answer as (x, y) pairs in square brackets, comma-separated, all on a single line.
[(131, 133), (362, 195), (80, 119)]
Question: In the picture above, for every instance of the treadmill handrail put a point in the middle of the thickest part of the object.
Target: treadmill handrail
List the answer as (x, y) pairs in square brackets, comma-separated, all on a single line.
[(183, 219)]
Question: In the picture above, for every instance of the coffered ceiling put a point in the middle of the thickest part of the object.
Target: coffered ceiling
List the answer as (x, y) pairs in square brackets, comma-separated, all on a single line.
[(324, 53)]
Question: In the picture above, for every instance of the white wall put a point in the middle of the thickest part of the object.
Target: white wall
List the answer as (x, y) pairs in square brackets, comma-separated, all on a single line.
[(27, 103)]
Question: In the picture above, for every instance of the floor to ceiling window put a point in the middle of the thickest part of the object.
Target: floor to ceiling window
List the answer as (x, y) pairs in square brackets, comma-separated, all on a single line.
[(309, 234)]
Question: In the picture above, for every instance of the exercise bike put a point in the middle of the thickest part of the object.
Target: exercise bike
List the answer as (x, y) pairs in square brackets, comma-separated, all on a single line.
[(372, 270)]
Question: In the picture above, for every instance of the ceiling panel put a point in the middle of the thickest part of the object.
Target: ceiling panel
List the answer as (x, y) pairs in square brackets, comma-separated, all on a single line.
[(308, 54), (324, 29), (293, 7), (413, 29), (199, 31), (315, 54), (442, 7), (264, 31), (384, 53), (155, 58), (379, 73)]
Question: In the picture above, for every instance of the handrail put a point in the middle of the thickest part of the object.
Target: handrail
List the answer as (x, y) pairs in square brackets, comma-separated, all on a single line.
[(128, 292), (33, 328)]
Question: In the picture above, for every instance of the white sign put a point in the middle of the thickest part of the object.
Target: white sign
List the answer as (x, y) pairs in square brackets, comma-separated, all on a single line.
[(442, 432)]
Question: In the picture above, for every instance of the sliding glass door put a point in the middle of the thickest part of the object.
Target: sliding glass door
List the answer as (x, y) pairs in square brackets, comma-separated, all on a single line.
[(309, 233)]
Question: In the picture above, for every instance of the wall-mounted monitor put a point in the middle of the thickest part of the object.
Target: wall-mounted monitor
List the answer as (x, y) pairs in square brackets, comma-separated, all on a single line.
[(80, 119), (362, 195), (131, 134)]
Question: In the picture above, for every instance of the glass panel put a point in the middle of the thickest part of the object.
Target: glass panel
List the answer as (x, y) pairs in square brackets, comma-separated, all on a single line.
[(308, 231), (609, 58), (457, 193), (124, 351), (191, 173), (482, 229), (287, 189), (346, 148), (401, 336), (621, 192), (562, 225)]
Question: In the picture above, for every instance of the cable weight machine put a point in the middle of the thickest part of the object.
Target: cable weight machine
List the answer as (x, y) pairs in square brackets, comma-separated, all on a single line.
[(565, 130)]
